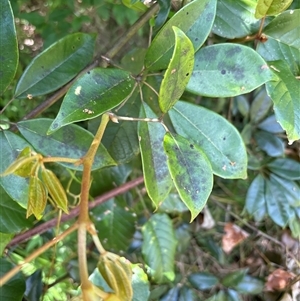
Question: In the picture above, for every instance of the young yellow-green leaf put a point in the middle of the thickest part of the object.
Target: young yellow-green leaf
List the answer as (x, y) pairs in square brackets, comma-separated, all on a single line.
[(8, 46), (21, 167), (55, 189), (37, 198), (271, 7), (191, 172), (178, 73), (156, 173), (56, 65)]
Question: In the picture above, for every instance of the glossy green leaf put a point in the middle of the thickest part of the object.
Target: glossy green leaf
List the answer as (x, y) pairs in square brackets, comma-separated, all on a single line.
[(234, 278), (260, 106), (159, 245), (5, 238), (195, 20), (10, 147), (203, 281), (8, 46), (190, 170), (255, 200), (56, 65), (115, 223), (222, 144), (269, 143), (285, 168), (171, 295), (37, 198), (235, 19), (233, 295), (96, 92), (250, 285), (187, 294), (270, 125), (140, 284), (154, 161), (71, 141), (226, 70), (283, 40), (34, 286), (164, 9), (271, 7), (178, 72), (14, 289), (285, 94)]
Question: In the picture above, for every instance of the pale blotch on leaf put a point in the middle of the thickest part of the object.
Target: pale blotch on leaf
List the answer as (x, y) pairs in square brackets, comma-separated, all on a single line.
[(77, 90)]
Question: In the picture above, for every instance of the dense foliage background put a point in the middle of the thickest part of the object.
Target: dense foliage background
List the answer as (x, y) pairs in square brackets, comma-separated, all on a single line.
[(206, 199)]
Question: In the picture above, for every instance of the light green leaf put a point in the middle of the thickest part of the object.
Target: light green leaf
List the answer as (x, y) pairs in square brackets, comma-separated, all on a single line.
[(115, 223), (8, 46), (235, 19), (96, 92), (178, 73), (71, 141), (250, 285), (255, 200), (56, 65), (10, 147), (154, 161), (159, 245), (285, 168), (271, 7), (285, 94), (226, 70), (195, 20), (5, 238), (140, 284), (14, 289), (190, 170), (283, 40), (222, 144)]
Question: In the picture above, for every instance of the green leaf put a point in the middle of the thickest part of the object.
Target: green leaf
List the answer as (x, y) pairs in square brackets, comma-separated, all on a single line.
[(159, 245), (14, 289), (12, 216), (255, 200), (140, 284), (250, 285), (270, 125), (10, 146), (285, 168), (271, 144), (5, 238), (190, 170), (195, 20), (187, 294), (234, 278), (71, 141), (260, 106), (154, 161), (226, 70), (172, 204), (171, 295), (235, 19), (178, 73), (8, 46), (283, 40), (285, 94), (56, 65), (271, 7), (96, 92), (115, 223), (222, 144), (203, 281)]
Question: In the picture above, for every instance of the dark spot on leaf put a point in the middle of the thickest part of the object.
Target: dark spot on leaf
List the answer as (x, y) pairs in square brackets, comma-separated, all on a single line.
[(196, 39), (187, 12), (191, 146), (232, 51), (224, 138), (187, 74), (209, 17), (223, 71), (89, 72), (42, 67)]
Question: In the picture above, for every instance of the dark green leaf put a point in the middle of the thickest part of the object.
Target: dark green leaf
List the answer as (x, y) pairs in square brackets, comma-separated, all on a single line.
[(285, 168), (34, 286), (260, 106), (115, 223), (235, 19), (156, 173), (133, 61), (283, 40), (222, 144), (271, 7), (203, 281), (250, 285), (226, 70), (195, 20), (255, 199), (8, 46), (190, 170), (71, 141), (10, 146), (285, 94), (183, 236), (140, 284), (171, 295), (14, 289), (164, 9), (56, 65), (159, 245), (96, 92), (232, 279), (178, 72), (187, 294), (271, 144), (270, 125)]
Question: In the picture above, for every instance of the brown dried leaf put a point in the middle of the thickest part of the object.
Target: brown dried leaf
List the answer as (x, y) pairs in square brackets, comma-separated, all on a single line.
[(278, 280), (232, 237)]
